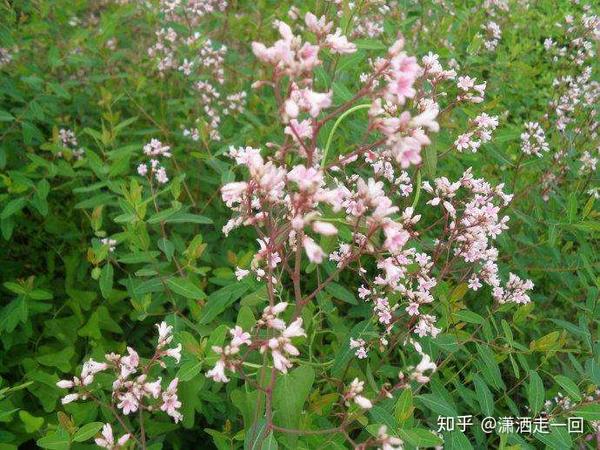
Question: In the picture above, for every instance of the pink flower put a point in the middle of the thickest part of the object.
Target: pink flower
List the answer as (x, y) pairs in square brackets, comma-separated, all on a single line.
[(128, 403), (313, 251), (217, 373), (318, 26), (339, 44), (232, 192), (465, 83), (426, 119), (174, 353), (309, 56), (395, 237), (407, 151), (363, 402), (307, 179), (129, 363), (280, 362), (314, 102), (241, 273), (171, 402), (108, 441), (239, 337), (153, 388), (65, 384), (324, 228), (294, 329), (298, 130)]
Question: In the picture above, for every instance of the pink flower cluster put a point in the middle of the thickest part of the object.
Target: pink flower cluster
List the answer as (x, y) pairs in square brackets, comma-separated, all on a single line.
[(68, 141), (132, 389), (493, 34), (107, 439), (5, 56), (155, 149), (280, 346), (297, 198), (482, 127), (533, 140)]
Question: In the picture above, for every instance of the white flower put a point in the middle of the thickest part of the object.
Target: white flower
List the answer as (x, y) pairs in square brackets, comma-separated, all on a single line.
[(339, 43), (313, 251), (241, 273), (164, 334), (363, 402), (174, 353), (294, 329), (69, 398), (217, 373), (65, 384), (239, 336), (324, 228)]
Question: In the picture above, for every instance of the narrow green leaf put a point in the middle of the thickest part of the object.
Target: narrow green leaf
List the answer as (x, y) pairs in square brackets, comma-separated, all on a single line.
[(185, 288), (570, 387), (87, 431), (484, 395), (106, 280), (535, 392)]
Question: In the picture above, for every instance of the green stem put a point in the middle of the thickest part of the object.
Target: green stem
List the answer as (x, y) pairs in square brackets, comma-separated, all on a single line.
[(418, 193), (337, 124)]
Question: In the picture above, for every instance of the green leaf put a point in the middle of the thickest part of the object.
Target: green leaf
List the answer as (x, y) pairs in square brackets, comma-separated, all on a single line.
[(446, 342), (557, 439), (15, 288), (106, 280), (270, 443), (490, 368), (590, 411), (484, 395), (588, 227), (97, 200), (13, 207), (419, 437), (256, 435), (546, 342), (430, 162), (32, 423), (40, 294), (220, 300), (570, 387), (437, 404), (341, 293), (369, 44), (189, 370), (469, 316), (87, 431), (163, 215), (535, 392), (380, 415), (5, 116), (404, 407), (290, 394), (456, 440), (139, 257), (60, 359), (189, 218), (58, 440), (185, 288)]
